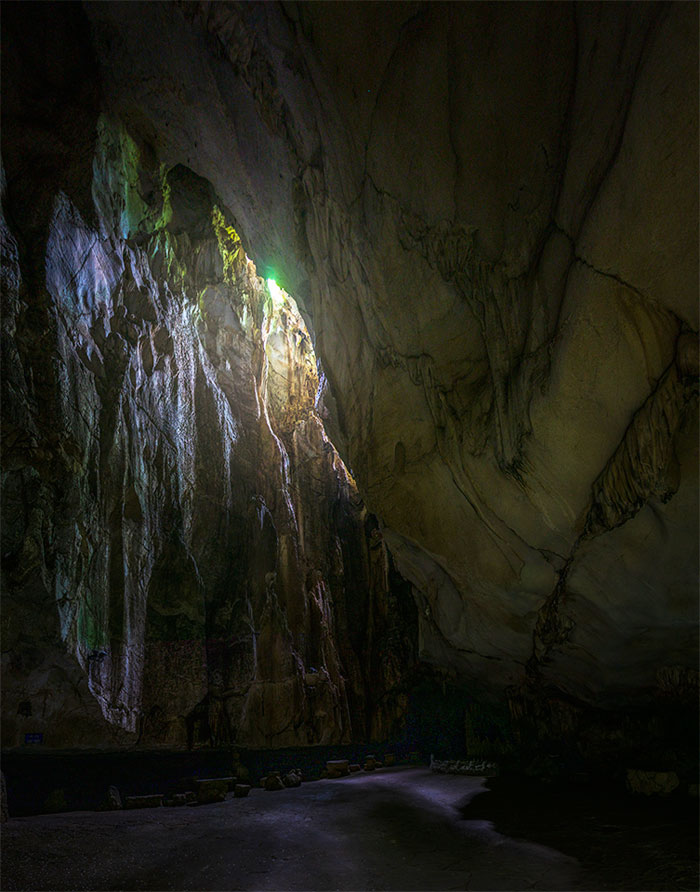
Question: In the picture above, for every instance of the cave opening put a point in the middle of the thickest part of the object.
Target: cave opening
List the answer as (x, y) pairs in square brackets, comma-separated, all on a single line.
[(458, 241)]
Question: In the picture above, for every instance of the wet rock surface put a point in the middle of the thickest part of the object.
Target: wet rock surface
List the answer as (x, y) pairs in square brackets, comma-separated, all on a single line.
[(398, 829)]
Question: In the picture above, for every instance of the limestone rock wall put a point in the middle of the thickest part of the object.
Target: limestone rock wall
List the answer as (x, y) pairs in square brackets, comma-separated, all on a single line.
[(489, 215), (186, 558)]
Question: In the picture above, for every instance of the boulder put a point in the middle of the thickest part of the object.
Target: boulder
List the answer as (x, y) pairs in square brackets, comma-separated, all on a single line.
[(153, 800), (650, 783), (212, 790), (273, 782), (112, 800), (292, 779), (354, 768), (230, 782), (240, 791), (337, 768)]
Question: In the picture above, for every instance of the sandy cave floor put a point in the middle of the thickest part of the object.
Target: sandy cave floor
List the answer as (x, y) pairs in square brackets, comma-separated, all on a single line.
[(402, 828)]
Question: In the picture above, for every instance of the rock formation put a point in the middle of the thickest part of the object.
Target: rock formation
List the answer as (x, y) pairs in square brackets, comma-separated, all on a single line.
[(488, 214), (186, 556)]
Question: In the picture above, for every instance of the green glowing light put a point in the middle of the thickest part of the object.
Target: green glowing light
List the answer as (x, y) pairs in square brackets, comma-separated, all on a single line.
[(276, 293)]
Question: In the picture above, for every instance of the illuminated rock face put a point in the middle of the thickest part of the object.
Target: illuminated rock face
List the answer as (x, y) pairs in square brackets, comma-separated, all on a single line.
[(186, 549), (489, 215)]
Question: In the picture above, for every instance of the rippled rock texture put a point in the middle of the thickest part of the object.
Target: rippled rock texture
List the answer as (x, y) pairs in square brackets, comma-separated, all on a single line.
[(488, 213)]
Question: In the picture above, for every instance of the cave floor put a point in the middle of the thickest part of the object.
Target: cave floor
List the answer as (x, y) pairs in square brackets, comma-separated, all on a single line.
[(402, 828)]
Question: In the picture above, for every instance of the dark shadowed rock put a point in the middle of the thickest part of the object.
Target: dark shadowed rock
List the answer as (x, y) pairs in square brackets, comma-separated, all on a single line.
[(112, 800), (651, 783), (273, 782), (292, 779), (4, 811), (213, 790), (152, 800)]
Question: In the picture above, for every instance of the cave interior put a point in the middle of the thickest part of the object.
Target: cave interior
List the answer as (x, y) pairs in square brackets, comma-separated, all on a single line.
[(350, 410)]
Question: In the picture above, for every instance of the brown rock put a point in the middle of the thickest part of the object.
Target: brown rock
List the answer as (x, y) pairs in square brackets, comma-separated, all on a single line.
[(229, 782), (153, 800), (651, 783), (273, 782), (212, 790), (240, 791)]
